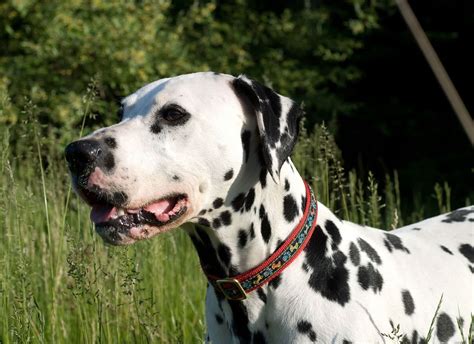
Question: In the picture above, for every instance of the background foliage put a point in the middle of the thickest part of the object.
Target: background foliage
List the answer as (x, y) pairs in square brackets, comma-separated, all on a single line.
[(352, 63)]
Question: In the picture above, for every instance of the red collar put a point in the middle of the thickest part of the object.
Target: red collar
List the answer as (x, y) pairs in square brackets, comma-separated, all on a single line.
[(237, 287)]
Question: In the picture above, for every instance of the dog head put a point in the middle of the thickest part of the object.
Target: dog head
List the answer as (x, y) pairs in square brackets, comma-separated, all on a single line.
[(181, 144)]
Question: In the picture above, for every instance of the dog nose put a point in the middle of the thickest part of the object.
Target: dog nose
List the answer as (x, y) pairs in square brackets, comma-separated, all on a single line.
[(82, 156)]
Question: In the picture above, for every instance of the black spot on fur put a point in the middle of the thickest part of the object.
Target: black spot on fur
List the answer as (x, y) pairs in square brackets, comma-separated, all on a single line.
[(444, 327), (155, 128), (219, 319), (414, 337), (388, 245), (345, 341), (369, 277), (303, 203), (408, 302), (275, 283), (288, 139), (252, 231), (371, 253), (218, 202), (266, 229), (224, 254), (261, 211), (226, 218), (216, 223), (333, 231), (229, 174), (416, 229), (238, 201), (242, 238), (204, 222), (258, 338), (262, 295), (287, 185), (110, 142), (329, 276), (290, 209), (202, 212), (467, 251), (109, 161), (207, 254), (279, 243), (459, 215), (249, 199), (245, 136), (445, 249), (306, 328), (395, 243), (354, 254), (263, 178), (240, 321), (176, 178)]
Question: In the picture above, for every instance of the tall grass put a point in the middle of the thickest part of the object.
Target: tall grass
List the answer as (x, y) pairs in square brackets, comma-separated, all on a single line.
[(59, 282)]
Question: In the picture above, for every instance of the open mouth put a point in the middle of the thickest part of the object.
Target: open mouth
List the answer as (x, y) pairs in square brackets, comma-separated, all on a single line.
[(119, 225)]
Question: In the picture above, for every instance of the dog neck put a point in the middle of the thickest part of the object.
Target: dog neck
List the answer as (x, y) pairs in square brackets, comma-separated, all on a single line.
[(255, 218)]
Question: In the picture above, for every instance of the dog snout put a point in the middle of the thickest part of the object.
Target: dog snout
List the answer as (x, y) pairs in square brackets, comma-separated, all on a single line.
[(83, 156)]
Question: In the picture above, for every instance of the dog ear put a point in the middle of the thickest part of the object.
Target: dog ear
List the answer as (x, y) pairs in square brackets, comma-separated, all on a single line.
[(278, 120)]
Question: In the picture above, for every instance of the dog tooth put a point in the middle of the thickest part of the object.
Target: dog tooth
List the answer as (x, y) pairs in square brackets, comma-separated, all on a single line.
[(120, 212)]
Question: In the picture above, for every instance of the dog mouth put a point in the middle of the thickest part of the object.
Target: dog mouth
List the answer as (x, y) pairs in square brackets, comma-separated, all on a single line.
[(121, 226)]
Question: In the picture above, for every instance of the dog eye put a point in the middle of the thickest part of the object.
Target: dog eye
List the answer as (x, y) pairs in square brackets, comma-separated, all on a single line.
[(174, 114)]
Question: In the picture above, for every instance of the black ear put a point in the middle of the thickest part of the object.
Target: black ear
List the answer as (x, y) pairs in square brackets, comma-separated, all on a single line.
[(277, 120)]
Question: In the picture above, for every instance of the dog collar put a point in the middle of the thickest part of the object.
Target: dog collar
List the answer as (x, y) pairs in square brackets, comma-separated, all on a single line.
[(237, 287)]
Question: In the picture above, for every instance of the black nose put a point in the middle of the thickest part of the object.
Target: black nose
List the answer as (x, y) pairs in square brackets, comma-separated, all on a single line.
[(82, 156)]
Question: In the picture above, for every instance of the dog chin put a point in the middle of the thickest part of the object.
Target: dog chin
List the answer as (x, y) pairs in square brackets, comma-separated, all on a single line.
[(120, 236)]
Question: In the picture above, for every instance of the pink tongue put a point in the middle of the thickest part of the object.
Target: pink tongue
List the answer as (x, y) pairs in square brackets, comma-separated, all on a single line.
[(160, 207), (102, 213)]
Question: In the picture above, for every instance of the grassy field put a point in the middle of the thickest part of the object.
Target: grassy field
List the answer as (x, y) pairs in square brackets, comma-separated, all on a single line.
[(59, 282)]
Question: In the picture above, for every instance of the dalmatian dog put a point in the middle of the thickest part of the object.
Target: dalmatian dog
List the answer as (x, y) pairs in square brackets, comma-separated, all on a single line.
[(210, 153)]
